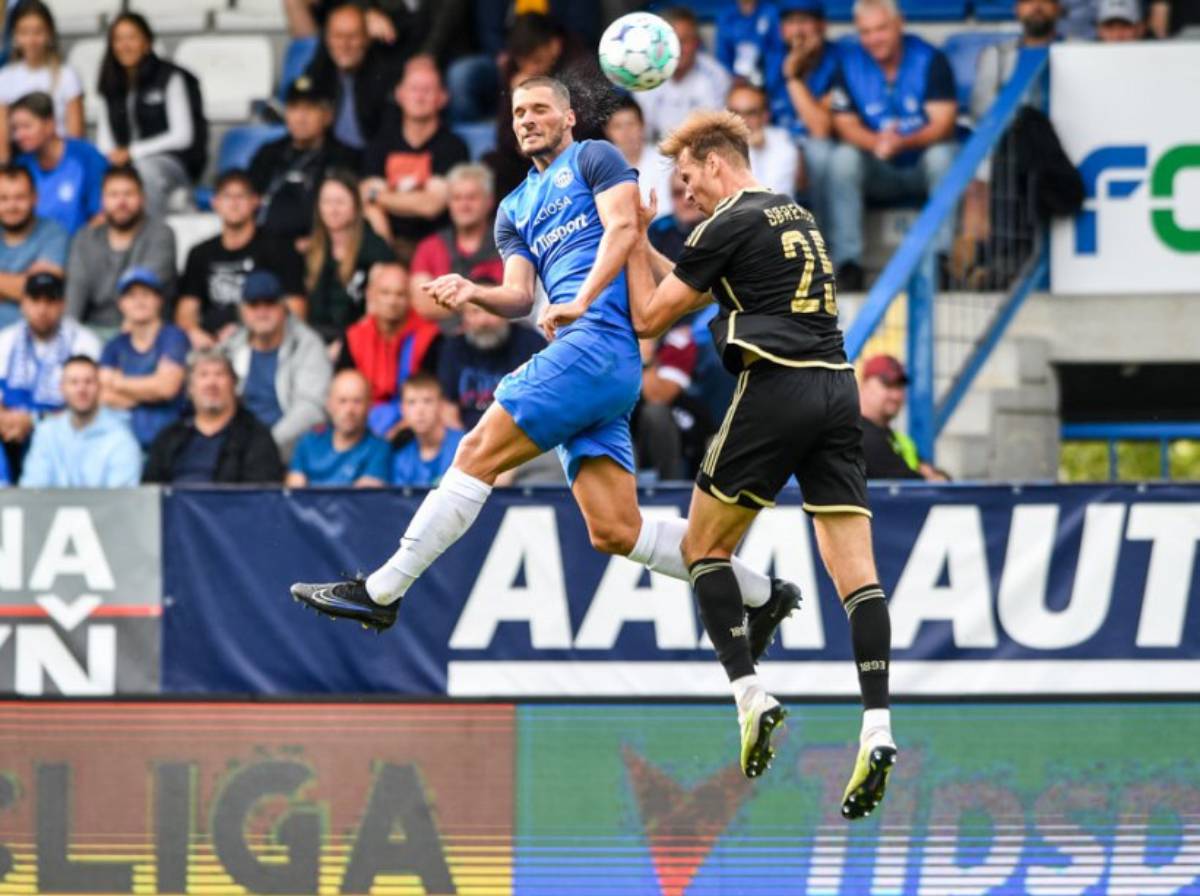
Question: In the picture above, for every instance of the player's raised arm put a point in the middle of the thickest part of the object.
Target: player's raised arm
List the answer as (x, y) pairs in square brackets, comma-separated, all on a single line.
[(512, 298), (655, 307)]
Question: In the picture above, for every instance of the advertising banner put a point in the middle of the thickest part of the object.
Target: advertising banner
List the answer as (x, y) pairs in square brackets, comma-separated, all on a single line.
[(221, 798), (985, 800), (80, 592), (993, 590), (1123, 114)]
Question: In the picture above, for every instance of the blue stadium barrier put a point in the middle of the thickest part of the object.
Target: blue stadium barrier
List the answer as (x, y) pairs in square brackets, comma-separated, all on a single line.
[(1112, 433), (296, 57), (239, 144), (963, 51)]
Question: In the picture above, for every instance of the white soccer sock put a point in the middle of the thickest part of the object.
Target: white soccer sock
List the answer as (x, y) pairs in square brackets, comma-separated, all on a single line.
[(445, 514), (876, 727), (658, 548), (745, 691)]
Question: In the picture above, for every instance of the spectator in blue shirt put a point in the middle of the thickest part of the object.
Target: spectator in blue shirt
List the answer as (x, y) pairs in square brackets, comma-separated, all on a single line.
[(430, 450), (801, 94), (67, 172), (748, 42), (343, 452), (86, 446), (144, 366), (894, 109), (30, 243)]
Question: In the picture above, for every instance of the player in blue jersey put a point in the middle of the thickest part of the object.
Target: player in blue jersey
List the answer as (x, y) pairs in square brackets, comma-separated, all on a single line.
[(573, 223)]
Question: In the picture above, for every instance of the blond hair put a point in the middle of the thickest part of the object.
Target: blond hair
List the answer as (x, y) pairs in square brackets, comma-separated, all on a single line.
[(724, 133)]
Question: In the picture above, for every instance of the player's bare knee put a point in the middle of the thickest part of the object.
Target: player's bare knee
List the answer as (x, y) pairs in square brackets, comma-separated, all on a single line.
[(473, 458), (613, 537)]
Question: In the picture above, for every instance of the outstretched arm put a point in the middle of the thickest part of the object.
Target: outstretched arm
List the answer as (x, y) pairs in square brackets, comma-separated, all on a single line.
[(512, 298), (655, 307)]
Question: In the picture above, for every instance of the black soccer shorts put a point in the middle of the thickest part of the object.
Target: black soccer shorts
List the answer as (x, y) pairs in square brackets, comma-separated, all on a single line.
[(784, 421)]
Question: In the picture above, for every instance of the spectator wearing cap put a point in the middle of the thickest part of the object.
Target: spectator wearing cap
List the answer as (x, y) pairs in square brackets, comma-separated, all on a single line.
[(127, 239), (800, 93), (748, 43), (30, 242), (427, 455), (280, 363), (1120, 21), (153, 116), (699, 81), (221, 441), (87, 446), (142, 368), (466, 247), (287, 172), (406, 162), (389, 344), (894, 108), (32, 354), (67, 172), (774, 158), (889, 454), (211, 288), (357, 71), (343, 452)]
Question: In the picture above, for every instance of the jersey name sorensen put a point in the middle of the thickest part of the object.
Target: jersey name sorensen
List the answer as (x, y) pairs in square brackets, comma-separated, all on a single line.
[(546, 241)]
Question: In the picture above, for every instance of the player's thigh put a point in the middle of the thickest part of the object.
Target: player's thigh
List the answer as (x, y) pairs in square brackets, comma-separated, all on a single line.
[(494, 445), (606, 493), (714, 527), (844, 540)]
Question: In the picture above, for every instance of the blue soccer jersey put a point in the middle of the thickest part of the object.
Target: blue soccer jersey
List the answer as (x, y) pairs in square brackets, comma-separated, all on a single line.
[(577, 394)]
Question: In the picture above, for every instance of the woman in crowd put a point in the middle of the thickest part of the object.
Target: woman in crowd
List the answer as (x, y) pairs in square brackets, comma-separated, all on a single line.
[(37, 67), (153, 117), (341, 252)]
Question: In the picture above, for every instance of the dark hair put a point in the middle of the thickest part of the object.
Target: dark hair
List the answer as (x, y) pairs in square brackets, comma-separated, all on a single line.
[(37, 104), (81, 359), (422, 379), (112, 75), (13, 171), (42, 11), (122, 172), (234, 176), (529, 32), (628, 104)]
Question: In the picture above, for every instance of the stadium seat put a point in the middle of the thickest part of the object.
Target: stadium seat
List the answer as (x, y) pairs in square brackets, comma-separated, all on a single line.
[(82, 17), (85, 57), (234, 71), (963, 51), (994, 10), (934, 10), (252, 15), (173, 17), (480, 137), (191, 229), (296, 57), (239, 144)]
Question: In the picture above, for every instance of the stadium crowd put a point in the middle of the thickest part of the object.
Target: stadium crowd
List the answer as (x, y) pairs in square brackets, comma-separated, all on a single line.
[(296, 345)]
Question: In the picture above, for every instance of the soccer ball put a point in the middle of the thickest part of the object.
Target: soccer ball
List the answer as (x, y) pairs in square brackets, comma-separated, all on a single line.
[(639, 51)]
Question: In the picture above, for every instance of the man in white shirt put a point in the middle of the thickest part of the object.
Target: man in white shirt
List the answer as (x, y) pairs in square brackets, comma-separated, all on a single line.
[(626, 130), (699, 82), (774, 158)]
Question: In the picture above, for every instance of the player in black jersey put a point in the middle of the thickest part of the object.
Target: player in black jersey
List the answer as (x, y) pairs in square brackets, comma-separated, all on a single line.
[(795, 411)]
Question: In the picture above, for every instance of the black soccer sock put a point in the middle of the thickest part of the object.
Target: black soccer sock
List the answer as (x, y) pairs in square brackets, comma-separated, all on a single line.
[(871, 635), (720, 603)]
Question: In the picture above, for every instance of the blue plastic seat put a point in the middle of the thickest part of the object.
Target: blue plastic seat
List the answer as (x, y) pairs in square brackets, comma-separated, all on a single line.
[(995, 10), (934, 10), (296, 57), (239, 144), (480, 136)]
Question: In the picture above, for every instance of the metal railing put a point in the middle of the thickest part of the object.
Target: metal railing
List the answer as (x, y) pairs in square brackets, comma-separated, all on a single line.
[(950, 337), (1115, 433)]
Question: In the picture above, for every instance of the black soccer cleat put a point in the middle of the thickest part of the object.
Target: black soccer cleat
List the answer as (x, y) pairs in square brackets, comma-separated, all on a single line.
[(868, 783), (347, 600), (762, 622)]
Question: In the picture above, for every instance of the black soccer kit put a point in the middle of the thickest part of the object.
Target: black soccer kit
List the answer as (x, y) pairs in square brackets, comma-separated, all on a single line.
[(795, 409)]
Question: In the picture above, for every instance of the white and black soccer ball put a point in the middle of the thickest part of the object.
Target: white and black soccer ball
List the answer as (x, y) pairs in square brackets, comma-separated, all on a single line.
[(639, 51)]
